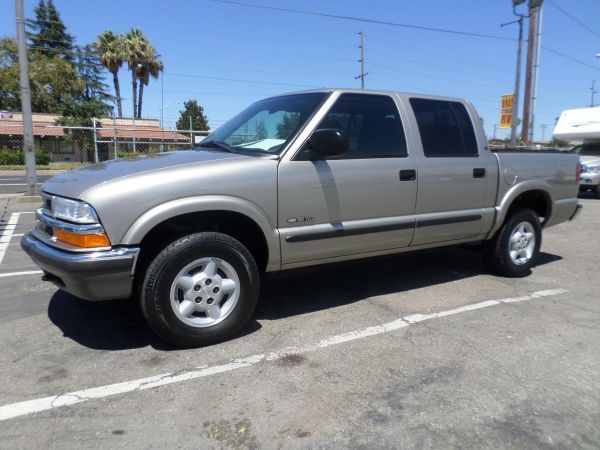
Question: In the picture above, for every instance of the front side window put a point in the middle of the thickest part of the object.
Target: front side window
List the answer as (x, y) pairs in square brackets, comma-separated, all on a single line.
[(445, 128), (268, 125), (372, 124)]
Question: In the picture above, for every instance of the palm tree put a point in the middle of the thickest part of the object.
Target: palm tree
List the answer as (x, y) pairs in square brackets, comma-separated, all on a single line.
[(151, 68), (110, 47), (137, 51)]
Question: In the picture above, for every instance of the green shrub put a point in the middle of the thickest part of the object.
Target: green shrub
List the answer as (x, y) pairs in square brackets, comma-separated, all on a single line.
[(126, 154), (10, 157)]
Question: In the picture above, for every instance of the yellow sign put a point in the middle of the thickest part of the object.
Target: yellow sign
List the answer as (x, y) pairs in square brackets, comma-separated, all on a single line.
[(506, 111)]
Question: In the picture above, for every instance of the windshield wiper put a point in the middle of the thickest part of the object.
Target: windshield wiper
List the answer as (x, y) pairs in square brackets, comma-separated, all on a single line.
[(219, 144)]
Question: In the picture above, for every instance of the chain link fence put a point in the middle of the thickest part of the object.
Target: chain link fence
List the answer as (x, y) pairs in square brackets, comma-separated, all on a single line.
[(107, 139)]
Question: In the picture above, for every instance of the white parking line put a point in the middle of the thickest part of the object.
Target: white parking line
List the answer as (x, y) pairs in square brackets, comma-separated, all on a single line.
[(7, 234), (16, 274), (43, 404), (17, 184)]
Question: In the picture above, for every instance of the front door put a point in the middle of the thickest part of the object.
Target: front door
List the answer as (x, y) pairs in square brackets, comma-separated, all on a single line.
[(359, 203)]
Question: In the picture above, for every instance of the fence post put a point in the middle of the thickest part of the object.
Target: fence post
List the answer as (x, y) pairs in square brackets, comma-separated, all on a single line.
[(191, 133), (95, 140), (115, 143), (134, 149)]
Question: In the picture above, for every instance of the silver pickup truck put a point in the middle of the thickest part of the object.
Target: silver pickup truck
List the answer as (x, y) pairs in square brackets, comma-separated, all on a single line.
[(295, 180)]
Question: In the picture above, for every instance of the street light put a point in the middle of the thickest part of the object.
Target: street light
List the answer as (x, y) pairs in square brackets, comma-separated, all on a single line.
[(164, 107)]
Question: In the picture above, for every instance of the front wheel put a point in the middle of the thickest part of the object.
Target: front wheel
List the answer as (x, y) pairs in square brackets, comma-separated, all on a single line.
[(200, 289), (513, 250)]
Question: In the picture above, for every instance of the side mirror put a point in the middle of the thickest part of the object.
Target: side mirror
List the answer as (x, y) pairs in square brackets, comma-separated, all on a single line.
[(328, 143)]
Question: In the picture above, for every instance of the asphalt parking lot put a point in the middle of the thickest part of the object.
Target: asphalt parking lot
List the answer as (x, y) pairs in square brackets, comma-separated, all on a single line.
[(416, 350), (16, 183)]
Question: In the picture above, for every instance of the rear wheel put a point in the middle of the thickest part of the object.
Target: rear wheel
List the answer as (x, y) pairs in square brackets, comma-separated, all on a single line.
[(200, 289), (596, 191), (515, 247)]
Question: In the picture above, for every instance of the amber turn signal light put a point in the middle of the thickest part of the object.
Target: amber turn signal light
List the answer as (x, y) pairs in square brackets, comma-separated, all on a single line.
[(82, 240)]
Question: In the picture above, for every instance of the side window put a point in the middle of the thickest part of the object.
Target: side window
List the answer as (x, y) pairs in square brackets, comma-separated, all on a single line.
[(445, 128), (372, 123)]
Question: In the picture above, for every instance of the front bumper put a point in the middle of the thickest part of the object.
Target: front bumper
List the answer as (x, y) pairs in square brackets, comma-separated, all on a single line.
[(589, 180), (576, 212), (101, 275)]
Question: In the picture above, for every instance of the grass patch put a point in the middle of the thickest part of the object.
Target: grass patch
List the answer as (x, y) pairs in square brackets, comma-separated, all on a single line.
[(51, 166)]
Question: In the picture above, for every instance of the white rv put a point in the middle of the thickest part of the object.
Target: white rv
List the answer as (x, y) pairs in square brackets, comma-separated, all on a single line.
[(583, 125)]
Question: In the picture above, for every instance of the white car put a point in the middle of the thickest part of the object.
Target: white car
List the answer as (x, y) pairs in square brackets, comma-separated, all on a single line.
[(589, 157)]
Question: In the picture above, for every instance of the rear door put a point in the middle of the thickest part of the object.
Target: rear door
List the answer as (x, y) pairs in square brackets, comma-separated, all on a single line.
[(457, 177), (360, 203)]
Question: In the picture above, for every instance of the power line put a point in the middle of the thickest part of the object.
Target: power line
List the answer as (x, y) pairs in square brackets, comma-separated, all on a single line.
[(577, 21), (373, 21), (556, 52), (240, 80), (125, 57)]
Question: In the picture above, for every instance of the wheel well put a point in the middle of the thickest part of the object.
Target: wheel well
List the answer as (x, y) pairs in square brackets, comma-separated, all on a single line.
[(536, 200), (234, 224)]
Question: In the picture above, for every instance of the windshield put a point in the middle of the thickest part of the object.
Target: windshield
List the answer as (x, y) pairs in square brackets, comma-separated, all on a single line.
[(267, 125), (588, 150)]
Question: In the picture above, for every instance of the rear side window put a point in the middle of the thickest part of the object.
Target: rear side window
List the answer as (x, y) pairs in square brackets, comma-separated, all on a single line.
[(372, 124), (445, 128)]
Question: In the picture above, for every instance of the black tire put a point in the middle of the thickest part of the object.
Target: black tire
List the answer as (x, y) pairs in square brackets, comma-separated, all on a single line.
[(496, 251), (156, 288), (596, 191)]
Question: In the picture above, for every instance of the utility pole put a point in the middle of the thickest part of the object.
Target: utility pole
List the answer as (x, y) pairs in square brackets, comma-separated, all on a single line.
[(536, 69), (515, 106), (25, 100), (594, 92), (543, 127), (362, 61), (531, 47)]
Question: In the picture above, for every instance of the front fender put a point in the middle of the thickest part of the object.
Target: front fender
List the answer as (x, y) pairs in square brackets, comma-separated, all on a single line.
[(151, 218)]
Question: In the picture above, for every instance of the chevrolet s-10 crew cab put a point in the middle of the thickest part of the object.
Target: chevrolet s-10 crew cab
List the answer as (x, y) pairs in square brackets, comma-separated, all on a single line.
[(295, 180)]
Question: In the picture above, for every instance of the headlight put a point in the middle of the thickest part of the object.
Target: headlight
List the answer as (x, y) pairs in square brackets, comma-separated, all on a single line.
[(593, 169), (73, 211)]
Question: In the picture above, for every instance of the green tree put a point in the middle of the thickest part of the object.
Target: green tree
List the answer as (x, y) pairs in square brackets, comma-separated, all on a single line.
[(261, 130), (52, 80), (9, 75), (135, 46), (151, 67), (89, 69), (112, 55), (48, 34), (191, 109), (288, 124), (143, 62), (559, 143)]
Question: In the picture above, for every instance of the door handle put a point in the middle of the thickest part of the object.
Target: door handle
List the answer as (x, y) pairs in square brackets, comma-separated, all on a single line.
[(479, 172), (408, 175)]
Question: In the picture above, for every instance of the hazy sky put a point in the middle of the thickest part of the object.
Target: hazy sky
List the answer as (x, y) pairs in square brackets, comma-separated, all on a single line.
[(227, 56)]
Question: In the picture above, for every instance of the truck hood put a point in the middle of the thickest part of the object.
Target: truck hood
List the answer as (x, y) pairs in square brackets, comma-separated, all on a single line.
[(585, 159), (74, 183)]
